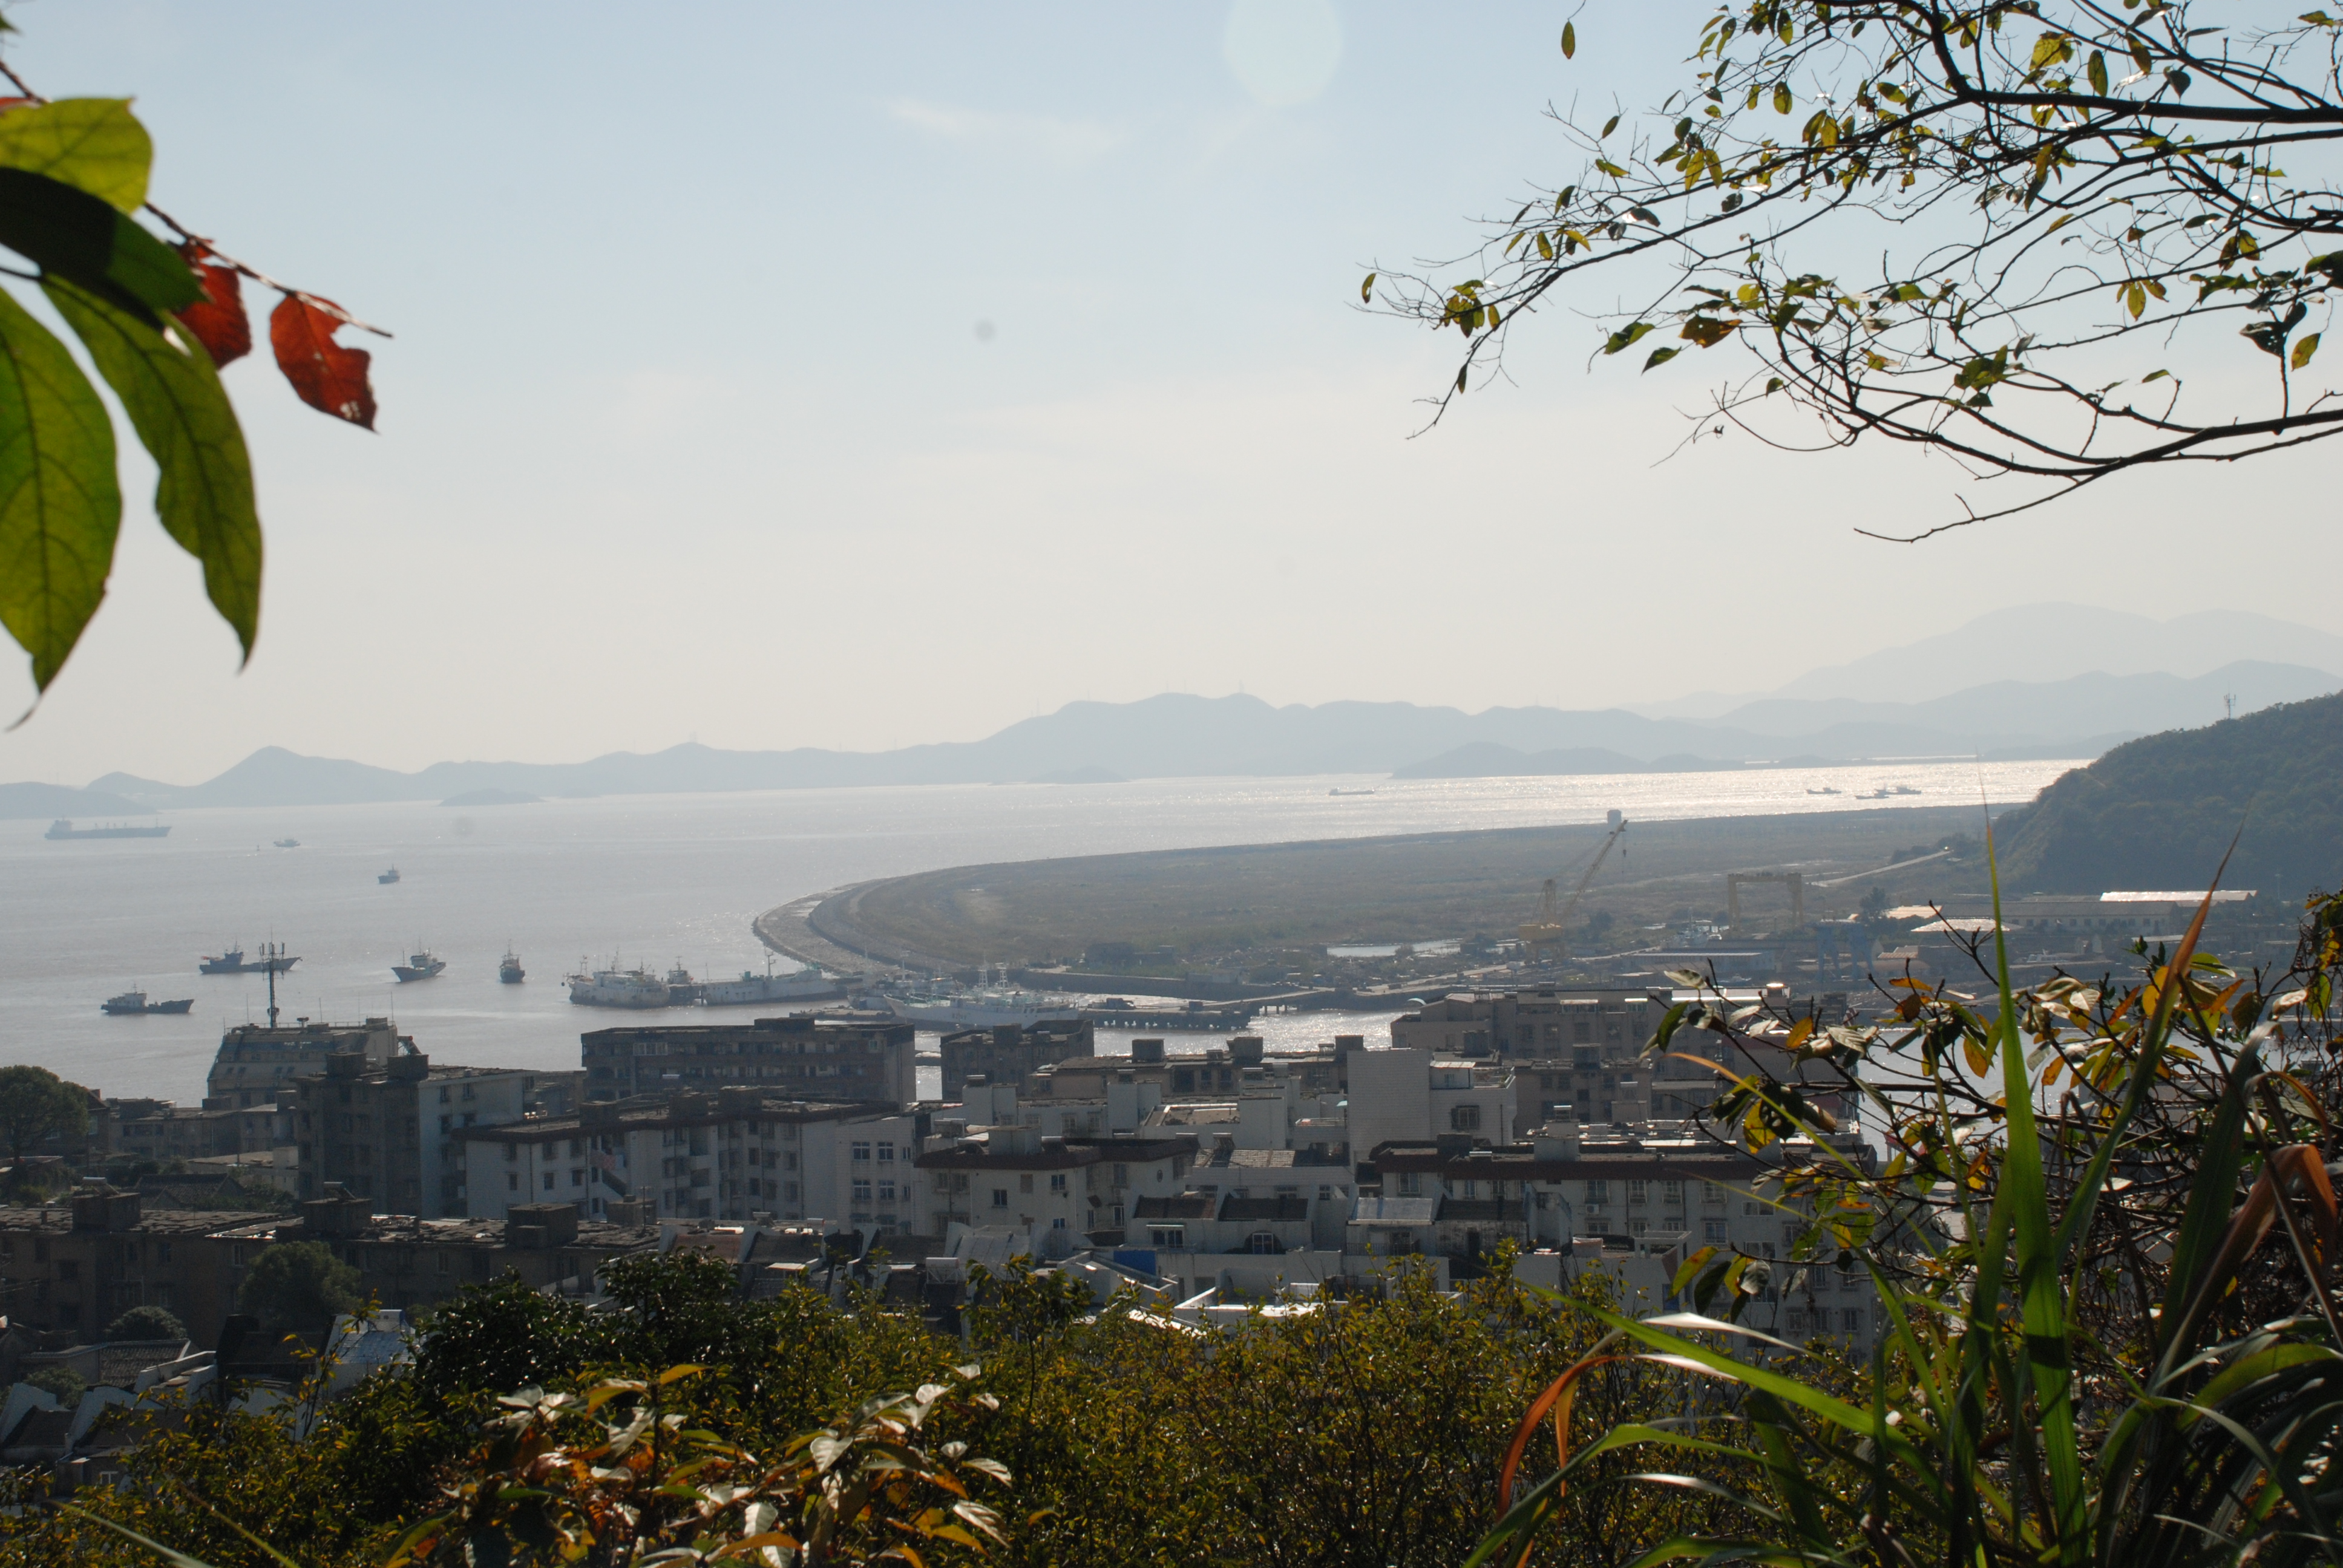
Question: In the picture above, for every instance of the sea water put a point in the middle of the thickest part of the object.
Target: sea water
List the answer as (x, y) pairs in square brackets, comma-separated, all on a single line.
[(658, 880)]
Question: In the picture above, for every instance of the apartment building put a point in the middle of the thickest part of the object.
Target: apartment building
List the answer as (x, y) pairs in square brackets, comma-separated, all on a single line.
[(1546, 1020), (389, 1131), (256, 1061), (1009, 1053), (734, 1156), (869, 1058), (74, 1267), (1409, 1094), (1058, 1193)]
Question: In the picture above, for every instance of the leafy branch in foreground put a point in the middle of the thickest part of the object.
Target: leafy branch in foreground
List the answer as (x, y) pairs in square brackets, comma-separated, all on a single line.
[(2090, 1363), (2062, 197), (158, 321)]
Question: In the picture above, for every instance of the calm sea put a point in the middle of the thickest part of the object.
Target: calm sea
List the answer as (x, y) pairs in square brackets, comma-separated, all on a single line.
[(659, 879)]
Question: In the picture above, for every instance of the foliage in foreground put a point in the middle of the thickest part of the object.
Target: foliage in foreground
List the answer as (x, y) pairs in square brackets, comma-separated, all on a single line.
[(1373, 1434), (2115, 1338)]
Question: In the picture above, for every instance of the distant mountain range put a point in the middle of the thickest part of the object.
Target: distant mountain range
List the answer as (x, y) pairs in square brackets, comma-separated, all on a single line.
[(1174, 735), (2041, 643)]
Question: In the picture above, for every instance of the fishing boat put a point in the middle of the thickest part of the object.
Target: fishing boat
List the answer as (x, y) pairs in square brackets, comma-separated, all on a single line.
[(988, 1004), (273, 961), (131, 1003), (615, 986), (509, 971), (419, 966), (288, 843), (387, 877)]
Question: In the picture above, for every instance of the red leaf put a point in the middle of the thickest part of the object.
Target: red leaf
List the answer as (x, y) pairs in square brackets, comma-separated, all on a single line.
[(328, 377), (217, 320)]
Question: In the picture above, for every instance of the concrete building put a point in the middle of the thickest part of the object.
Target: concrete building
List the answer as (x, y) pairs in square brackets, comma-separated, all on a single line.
[(74, 1267), (161, 1131), (388, 1131), (1409, 1095), (1546, 1022), (1060, 1193), (410, 1263), (255, 1061), (734, 1156), (1010, 1054), (862, 1057)]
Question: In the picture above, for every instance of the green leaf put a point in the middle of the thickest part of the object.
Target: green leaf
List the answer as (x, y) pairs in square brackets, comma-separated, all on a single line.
[(70, 231), (1569, 40), (1625, 336), (60, 502), (1609, 125), (1782, 100), (2098, 73), (175, 400), (1661, 357), (94, 144), (2303, 351)]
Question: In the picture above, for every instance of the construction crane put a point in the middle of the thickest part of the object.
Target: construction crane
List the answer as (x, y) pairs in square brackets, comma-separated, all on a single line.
[(1543, 935)]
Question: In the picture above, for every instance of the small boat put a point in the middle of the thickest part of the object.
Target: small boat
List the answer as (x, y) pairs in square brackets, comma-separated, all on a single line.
[(288, 843), (1350, 792), (509, 972), (131, 1003), (419, 966), (1826, 789), (388, 877)]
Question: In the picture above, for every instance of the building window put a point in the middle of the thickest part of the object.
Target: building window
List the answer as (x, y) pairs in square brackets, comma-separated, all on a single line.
[(1058, 1182), (1000, 1197), (512, 1181), (1465, 1119), (1262, 1242), (578, 1178), (549, 1181), (1850, 1320), (1410, 1184), (1713, 1231), (1673, 1192), (886, 1153), (862, 1192), (1636, 1190), (1598, 1194), (1174, 1237), (859, 1153)]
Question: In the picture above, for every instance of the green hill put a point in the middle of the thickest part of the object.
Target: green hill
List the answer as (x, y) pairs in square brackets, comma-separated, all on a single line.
[(2157, 813)]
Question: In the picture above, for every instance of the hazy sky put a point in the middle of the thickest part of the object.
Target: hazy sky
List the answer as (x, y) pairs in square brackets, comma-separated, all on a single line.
[(852, 376)]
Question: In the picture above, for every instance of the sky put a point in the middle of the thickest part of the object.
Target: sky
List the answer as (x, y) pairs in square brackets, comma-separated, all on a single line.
[(776, 375)]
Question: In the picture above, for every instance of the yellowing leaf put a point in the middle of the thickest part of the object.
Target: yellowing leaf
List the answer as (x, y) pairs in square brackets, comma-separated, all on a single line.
[(1569, 40), (94, 144), (2303, 351), (1367, 290)]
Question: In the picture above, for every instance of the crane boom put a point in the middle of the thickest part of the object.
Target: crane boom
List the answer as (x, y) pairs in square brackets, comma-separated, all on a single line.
[(1545, 932)]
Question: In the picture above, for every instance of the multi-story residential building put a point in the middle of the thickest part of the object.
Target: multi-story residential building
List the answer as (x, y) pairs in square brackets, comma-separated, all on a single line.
[(408, 1263), (1638, 1193), (390, 1132), (862, 1057), (1548, 1021), (161, 1131), (1058, 1193), (1408, 1095), (736, 1155), (1009, 1053), (256, 1061), (76, 1266)]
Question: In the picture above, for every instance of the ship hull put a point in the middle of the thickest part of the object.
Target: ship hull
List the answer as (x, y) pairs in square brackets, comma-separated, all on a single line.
[(67, 831), (409, 972), (256, 967), (761, 989)]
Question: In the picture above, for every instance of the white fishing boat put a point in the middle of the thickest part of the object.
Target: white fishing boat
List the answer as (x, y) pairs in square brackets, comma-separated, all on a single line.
[(615, 986), (753, 990), (982, 1006)]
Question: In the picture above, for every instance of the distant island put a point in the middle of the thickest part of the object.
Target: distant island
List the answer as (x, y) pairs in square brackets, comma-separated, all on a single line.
[(494, 798)]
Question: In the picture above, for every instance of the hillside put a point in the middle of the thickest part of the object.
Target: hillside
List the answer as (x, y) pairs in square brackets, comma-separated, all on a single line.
[(2157, 812)]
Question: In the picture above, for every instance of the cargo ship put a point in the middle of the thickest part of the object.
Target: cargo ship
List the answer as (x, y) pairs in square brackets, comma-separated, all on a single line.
[(424, 965), (131, 1003), (273, 961), (753, 990), (64, 829)]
